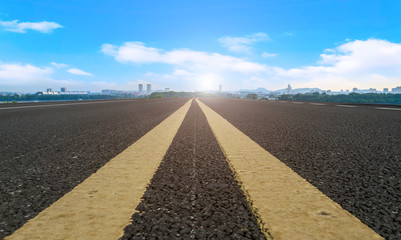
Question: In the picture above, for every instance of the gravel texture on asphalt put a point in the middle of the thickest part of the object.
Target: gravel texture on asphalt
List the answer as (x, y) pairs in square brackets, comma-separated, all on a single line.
[(193, 194), (353, 155), (47, 151)]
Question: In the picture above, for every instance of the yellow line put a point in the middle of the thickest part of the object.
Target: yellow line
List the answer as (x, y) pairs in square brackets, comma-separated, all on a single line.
[(393, 109), (290, 207), (348, 106), (102, 205)]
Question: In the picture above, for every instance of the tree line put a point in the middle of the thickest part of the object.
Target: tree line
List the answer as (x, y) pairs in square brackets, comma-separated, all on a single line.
[(382, 98)]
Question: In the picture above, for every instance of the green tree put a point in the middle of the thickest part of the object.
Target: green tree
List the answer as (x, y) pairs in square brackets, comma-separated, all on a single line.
[(252, 96)]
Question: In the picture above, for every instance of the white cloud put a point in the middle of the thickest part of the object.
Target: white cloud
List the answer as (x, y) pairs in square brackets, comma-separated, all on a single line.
[(268, 55), (243, 44), (21, 27), (29, 78), (77, 71), (24, 77), (181, 72), (9, 73), (360, 63), (59, 65), (363, 64), (132, 52), (136, 52), (189, 66), (370, 56)]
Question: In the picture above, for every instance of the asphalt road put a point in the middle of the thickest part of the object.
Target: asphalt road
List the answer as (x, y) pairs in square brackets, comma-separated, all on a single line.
[(46, 149), (193, 194), (352, 153)]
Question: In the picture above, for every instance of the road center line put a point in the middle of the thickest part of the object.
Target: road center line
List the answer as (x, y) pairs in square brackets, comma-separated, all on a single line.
[(102, 205), (289, 206), (318, 104), (393, 109), (349, 106)]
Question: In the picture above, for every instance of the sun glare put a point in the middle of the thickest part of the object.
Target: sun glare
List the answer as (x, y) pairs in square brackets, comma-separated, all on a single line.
[(209, 82)]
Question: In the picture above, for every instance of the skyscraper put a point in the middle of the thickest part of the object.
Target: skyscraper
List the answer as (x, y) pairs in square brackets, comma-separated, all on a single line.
[(148, 88), (140, 89), (288, 90)]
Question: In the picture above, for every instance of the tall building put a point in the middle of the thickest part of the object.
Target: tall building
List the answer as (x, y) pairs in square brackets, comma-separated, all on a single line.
[(140, 88), (385, 90), (148, 88), (288, 90), (64, 89), (396, 90), (49, 90), (220, 88)]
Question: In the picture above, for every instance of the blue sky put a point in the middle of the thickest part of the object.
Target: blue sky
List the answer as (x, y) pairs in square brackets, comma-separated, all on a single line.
[(188, 45)]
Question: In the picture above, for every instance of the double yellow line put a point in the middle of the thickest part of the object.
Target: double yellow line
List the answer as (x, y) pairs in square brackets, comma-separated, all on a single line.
[(286, 205)]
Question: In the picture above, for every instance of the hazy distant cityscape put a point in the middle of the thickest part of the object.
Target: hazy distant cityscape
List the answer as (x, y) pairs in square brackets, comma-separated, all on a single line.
[(261, 92)]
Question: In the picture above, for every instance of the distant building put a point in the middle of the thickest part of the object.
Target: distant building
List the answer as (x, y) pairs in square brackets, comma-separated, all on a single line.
[(148, 88), (64, 89), (47, 93), (49, 90), (396, 90), (385, 90), (140, 89), (63, 93), (167, 89), (288, 90), (74, 93), (116, 92), (220, 88), (372, 90), (110, 92), (355, 89)]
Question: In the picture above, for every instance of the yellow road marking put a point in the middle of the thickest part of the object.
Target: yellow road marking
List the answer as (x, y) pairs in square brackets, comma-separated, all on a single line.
[(393, 109), (289, 206), (318, 104), (349, 106), (102, 205)]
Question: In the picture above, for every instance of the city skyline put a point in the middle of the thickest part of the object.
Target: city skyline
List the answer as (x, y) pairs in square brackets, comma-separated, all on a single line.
[(287, 90), (188, 46)]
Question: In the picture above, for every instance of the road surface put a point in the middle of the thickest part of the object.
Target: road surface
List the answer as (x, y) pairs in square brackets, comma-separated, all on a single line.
[(166, 169)]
